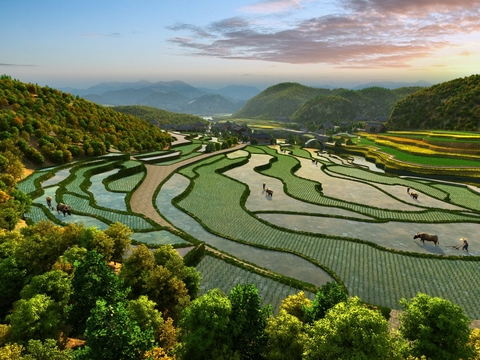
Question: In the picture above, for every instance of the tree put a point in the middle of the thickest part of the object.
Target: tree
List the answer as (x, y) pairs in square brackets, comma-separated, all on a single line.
[(327, 297), (204, 328), (112, 335), (36, 318), (93, 239), (286, 337), (92, 280), (349, 330), (143, 312), (120, 234), (295, 305), (48, 350), (169, 292), (12, 278), (136, 270), (436, 327), (56, 284), (248, 321)]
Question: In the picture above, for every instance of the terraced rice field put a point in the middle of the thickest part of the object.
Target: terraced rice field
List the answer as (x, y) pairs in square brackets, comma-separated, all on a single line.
[(356, 224)]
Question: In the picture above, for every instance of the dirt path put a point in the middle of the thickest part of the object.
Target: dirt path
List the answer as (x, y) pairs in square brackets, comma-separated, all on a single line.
[(142, 200)]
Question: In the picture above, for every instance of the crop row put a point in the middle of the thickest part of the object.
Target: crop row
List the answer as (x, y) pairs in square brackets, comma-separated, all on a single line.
[(220, 274), (79, 178), (188, 148), (82, 205), (359, 265), (130, 163), (27, 185), (36, 214), (304, 190), (125, 184), (461, 196), (387, 180)]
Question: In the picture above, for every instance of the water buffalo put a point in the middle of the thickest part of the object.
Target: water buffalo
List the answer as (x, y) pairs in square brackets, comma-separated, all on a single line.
[(424, 236), (65, 209), (414, 195), (269, 192)]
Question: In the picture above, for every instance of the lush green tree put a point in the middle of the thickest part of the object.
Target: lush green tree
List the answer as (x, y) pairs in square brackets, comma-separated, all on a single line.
[(143, 312), (43, 244), (37, 318), (48, 350), (136, 270), (295, 305), (120, 234), (94, 239), (327, 297), (92, 280), (12, 278), (209, 148), (169, 292), (204, 328), (112, 335), (286, 337), (349, 330), (56, 284), (436, 327), (248, 321)]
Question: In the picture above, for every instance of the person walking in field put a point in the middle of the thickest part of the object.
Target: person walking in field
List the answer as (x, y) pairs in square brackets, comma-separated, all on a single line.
[(264, 186), (465, 244)]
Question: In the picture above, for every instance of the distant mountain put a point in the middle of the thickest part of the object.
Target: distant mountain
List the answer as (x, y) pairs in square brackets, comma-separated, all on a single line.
[(391, 84), (451, 105), (235, 93), (175, 96)]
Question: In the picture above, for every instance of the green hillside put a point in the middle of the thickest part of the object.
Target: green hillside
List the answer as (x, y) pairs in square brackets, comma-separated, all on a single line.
[(158, 116), (47, 124), (452, 105), (279, 100), (305, 104), (324, 108)]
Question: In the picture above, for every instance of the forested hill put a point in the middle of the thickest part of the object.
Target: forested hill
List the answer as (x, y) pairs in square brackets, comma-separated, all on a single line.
[(279, 100), (452, 105), (312, 106), (44, 123), (158, 116), (346, 105)]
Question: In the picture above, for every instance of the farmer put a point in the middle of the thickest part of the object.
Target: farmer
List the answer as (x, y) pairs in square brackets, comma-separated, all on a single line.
[(465, 244), (263, 186), (408, 190)]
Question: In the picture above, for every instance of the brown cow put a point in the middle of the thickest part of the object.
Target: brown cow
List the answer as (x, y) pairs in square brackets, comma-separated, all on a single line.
[(424, 236)]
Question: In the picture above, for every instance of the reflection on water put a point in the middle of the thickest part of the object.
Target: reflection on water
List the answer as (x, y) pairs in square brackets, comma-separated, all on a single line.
[(360, 160), (281, 263)]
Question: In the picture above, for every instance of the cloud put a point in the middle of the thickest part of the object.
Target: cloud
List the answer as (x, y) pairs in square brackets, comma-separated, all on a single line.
[(22, 65), (272, 6), (368, 33)]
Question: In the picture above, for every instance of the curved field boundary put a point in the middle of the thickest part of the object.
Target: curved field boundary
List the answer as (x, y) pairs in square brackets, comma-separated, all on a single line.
[(217, 273), (82, 206), (376, 275), (125, 184), (308, 191)]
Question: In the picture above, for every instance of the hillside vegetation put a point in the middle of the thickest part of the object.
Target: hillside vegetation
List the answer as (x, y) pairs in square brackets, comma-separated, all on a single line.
[(452, 105), (314, 106), (279, 100), (158, 116), (45, 123)]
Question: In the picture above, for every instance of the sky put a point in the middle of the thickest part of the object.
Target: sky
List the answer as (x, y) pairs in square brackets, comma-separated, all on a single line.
[(215, 43)]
